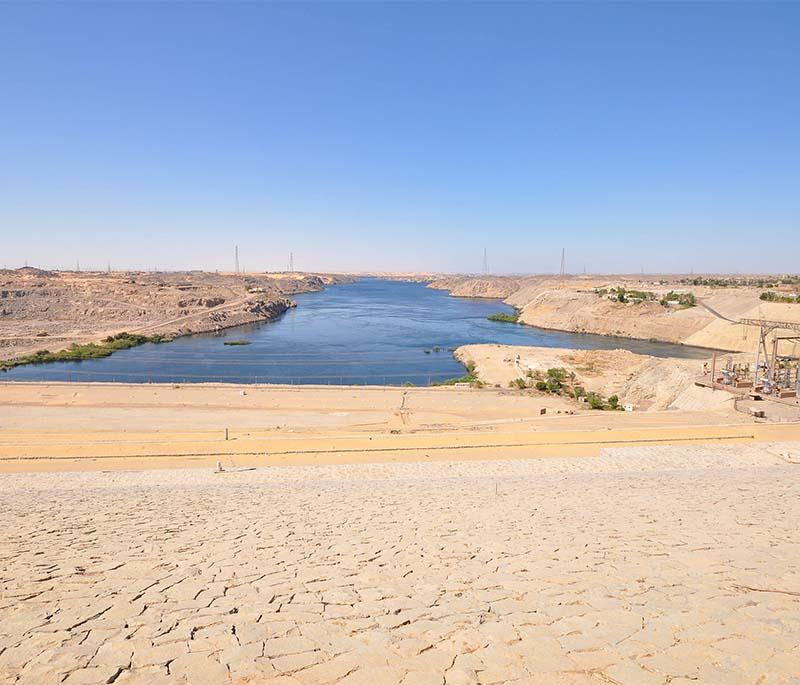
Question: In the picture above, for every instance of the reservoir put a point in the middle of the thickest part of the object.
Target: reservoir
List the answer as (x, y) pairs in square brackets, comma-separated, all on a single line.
[(373, 332)]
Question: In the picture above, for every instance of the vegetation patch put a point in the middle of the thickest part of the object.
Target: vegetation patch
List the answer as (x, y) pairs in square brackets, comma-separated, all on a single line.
[(743, 282), (111, 344), (681, 300), (772, 296), (469, 377), (626, 296), (559, 381), (502, 317)]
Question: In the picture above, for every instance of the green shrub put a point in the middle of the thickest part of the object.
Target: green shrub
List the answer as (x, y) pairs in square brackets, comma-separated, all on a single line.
[(771, 296), (595, 401), (505, 318), (469, 377), (684, 300), (75, 352)]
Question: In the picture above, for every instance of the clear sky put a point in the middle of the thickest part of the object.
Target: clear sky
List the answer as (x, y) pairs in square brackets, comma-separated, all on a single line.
[(404, 136)]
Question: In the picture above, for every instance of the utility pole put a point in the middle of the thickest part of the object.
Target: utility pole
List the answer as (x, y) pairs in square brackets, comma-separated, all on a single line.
[(236, 257), (485, 262), (563, 262), (291, 262)]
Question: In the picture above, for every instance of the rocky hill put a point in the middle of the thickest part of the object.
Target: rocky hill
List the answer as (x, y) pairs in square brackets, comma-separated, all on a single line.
[(587, 305), (51, 310)]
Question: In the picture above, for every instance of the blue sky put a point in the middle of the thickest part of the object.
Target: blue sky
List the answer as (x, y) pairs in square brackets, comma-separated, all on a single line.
[(404, 136)]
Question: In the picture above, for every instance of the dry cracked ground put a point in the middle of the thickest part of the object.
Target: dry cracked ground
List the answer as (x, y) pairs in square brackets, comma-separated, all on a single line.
[(649, 565)]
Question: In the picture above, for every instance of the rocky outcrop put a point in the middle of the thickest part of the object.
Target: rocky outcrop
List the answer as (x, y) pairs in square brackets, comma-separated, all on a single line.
[(572, 304), (493, 287), (82, 307)]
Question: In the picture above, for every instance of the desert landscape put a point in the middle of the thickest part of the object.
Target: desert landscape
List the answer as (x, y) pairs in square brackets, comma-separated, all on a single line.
[(508, 392), (41, 309), (581, 304), (497, 530)]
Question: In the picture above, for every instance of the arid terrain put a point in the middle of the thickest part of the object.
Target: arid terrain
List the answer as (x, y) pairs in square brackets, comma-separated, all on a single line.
[(54, 309), (67, 426), (573, 304), (647, 383), (647, 565)]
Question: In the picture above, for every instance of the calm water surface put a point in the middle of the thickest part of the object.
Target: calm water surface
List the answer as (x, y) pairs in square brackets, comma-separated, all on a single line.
[(371, 332)]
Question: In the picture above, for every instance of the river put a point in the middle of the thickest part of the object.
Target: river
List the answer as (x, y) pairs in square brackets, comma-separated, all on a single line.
[(373, 332)]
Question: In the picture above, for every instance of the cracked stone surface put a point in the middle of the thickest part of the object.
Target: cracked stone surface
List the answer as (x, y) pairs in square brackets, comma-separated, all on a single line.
[(647, 565)]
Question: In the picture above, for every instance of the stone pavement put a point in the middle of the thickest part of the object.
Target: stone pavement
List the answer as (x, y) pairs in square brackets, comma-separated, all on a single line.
[(648, 565)]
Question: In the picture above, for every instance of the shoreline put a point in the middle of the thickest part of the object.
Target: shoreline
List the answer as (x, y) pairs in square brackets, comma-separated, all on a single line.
[(520, 322)]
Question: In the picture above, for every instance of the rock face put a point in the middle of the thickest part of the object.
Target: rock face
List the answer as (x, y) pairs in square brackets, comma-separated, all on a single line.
[(571, 304), (81, 307), (494, 287)]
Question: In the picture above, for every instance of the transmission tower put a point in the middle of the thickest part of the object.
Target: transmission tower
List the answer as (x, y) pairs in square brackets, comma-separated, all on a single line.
[(563, 262), (485, 262), (236, 257), (291, 262)]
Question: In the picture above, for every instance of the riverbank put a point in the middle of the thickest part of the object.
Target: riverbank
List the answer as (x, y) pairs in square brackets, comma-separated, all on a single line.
[(587, 304), (55, 311)]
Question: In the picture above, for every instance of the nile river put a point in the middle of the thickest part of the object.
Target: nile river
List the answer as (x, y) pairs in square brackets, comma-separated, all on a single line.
[(372, 332)]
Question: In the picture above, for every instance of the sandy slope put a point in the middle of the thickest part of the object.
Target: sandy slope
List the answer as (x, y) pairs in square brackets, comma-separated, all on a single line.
[(570, 304), (646, 382)]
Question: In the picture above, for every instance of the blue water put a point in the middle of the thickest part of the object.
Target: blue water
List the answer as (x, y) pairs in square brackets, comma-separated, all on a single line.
[(372, 332)]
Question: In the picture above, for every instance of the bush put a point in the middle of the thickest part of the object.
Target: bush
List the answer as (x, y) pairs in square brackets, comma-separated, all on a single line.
[(505, 318), (469, 377), (771, 296), (553, 386), (613, 402), (595, 401), (559, 375), (684, 300), (75, 352)]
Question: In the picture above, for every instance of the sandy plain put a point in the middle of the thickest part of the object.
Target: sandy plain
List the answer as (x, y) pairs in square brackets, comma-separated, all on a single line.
[(100, 426), (643, 565)]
